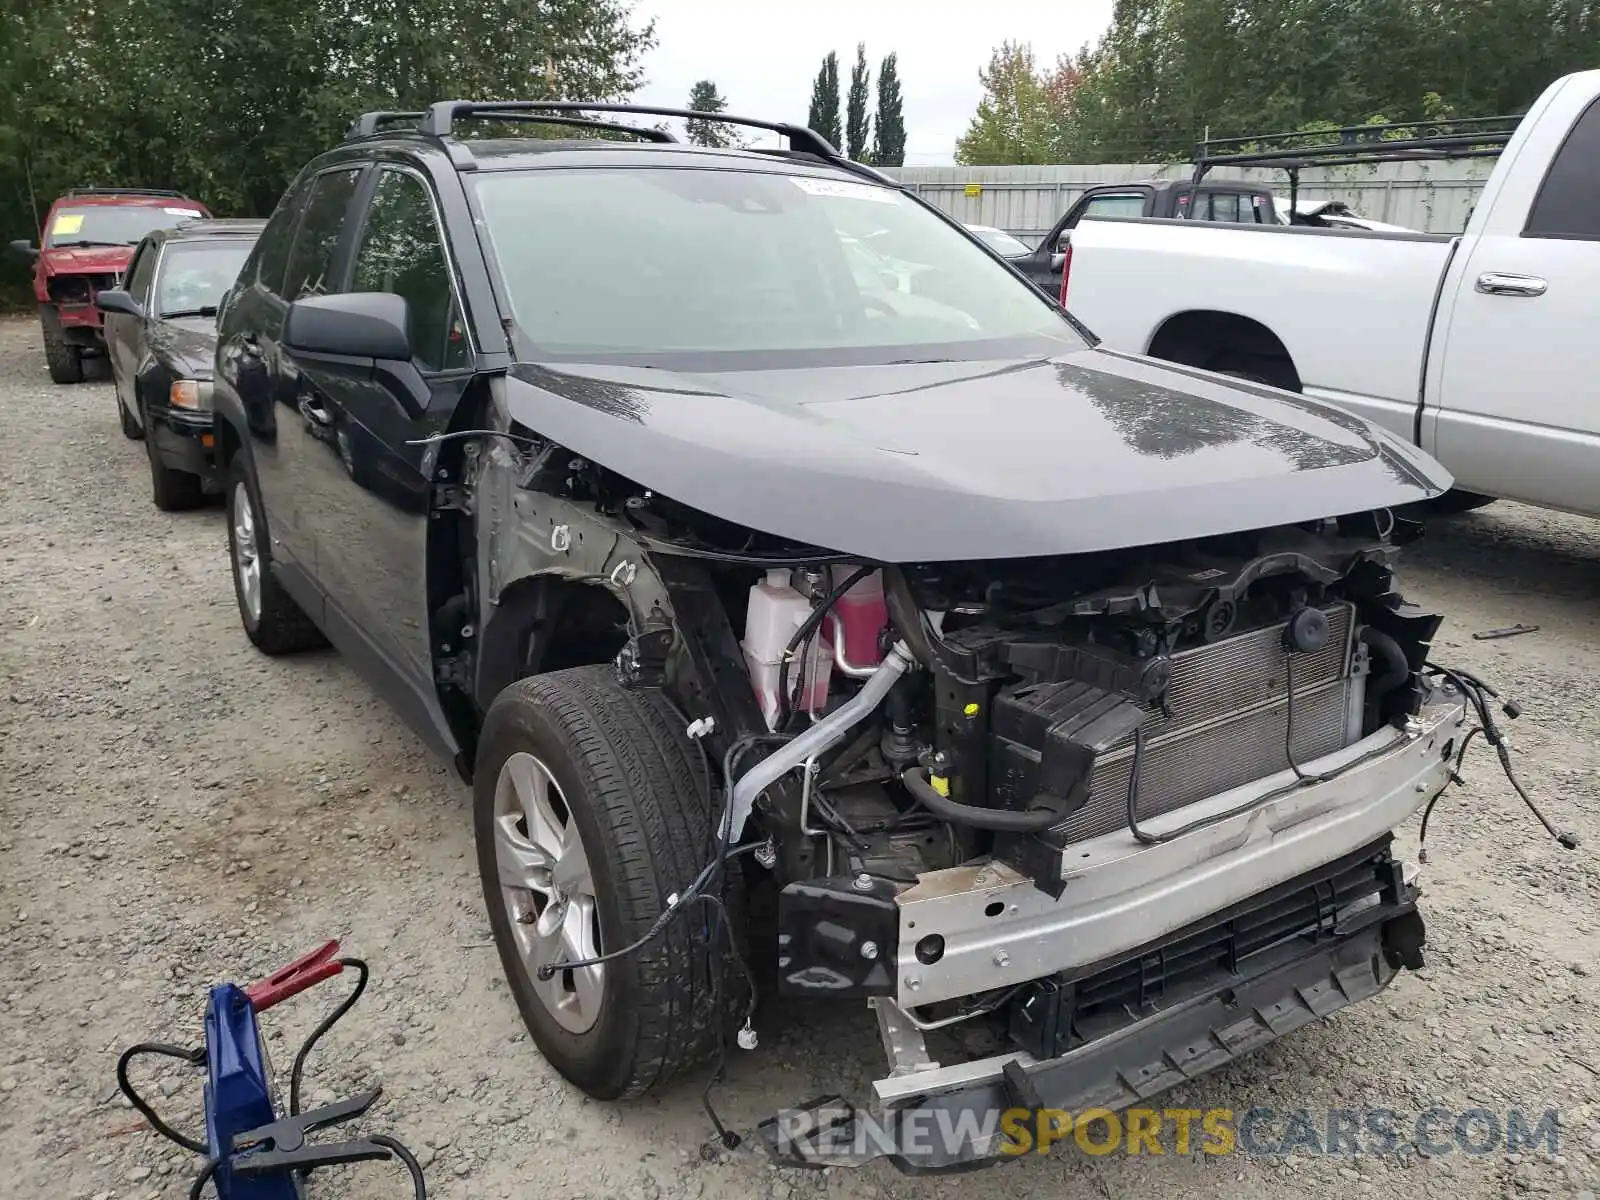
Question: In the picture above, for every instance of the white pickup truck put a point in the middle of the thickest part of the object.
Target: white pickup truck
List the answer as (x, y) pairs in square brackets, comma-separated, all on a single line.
[(1483, 348)]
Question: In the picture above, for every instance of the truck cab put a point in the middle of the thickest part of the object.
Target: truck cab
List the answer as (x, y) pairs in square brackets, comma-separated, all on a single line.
[(1168, 199)]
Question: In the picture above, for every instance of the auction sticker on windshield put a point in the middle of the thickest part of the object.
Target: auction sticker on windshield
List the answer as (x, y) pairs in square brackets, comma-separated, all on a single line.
[(66, 223), (848, 191)]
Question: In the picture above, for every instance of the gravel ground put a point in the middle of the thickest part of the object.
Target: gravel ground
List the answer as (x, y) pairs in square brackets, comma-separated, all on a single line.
[(179, 810)]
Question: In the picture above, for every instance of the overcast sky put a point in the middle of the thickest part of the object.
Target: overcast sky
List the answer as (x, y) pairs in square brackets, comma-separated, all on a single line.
[(764, 56)]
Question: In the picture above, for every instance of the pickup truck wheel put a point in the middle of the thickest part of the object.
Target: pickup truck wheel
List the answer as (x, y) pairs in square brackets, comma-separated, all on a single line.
[(591, 807), (271, 618), (63, 358)]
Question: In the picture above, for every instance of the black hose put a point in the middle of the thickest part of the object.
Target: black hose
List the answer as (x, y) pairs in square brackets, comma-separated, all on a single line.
[(807, 628), (419, 1187), (193, 1057), (1001, 820), (198, 1187), (1399, 670), (911, 627)]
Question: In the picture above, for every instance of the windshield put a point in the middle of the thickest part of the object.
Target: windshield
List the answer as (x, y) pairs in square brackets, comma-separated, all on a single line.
[(114, 225), (195, 275), (1002, 243), (644, 264)]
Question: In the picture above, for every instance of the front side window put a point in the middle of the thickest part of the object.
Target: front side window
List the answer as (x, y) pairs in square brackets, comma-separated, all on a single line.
[(646, 263), (113, 224), (311, 261), (196, 275), (401, 252)]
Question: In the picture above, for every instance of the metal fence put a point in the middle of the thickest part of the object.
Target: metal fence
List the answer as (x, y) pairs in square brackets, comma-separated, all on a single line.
[(1436, 197)]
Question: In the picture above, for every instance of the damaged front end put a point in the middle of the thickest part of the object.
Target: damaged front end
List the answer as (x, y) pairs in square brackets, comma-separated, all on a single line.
[(1077, 826)]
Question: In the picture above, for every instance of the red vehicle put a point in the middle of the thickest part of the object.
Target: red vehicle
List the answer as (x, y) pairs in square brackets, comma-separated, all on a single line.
[(89, 236)]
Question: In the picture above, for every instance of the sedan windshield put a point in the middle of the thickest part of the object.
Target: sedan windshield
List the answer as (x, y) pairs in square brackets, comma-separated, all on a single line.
[(643, 263), (114, 224), (195, 275)]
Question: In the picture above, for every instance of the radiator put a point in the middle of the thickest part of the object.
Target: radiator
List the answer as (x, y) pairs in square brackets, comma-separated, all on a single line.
[(1228, 705)]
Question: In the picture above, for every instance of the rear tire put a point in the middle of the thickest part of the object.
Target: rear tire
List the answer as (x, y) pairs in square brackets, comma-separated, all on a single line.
[(624, 775), (64, 360), (271, 618)]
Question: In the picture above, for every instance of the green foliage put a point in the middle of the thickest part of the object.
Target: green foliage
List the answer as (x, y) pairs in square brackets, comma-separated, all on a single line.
[(704, 97), (824, 114), (227, 99), (1023, 113), (889, 134), (1168, 72), (857, 125)]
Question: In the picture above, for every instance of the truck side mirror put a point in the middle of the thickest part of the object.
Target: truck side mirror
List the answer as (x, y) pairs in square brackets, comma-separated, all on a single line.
[(25, 250)]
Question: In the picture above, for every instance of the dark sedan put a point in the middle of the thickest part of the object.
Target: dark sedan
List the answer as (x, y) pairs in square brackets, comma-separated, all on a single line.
[(161, 332)]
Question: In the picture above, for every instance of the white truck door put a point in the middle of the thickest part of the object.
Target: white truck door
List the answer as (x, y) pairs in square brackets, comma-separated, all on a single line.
[(1513, 396)]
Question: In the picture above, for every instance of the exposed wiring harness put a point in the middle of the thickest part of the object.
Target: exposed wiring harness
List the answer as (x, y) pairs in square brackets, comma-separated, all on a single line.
[(1478, 694), (197, 1057)]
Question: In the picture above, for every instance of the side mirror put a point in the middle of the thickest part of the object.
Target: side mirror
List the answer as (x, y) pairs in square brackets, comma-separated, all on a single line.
[(25, 250), (350, 325), (118, 301)]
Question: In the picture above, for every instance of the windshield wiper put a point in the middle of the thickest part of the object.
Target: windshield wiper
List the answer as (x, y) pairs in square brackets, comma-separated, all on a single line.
[(208, 310), (83, 244)]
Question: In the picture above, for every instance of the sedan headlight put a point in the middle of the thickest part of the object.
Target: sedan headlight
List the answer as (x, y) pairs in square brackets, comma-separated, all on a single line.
[(192, 394)]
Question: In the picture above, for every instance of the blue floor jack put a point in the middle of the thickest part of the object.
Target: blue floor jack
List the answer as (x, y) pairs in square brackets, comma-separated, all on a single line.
[(252, 1153)]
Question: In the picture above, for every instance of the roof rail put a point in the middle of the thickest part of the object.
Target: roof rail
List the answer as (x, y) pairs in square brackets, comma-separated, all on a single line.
[(122, 191), (441, 118), (647, 132), (368, 123)]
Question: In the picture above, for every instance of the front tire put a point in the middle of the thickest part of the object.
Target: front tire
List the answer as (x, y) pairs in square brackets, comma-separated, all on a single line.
[(64, 360), (170, 490), (591, 807), (271, 618)]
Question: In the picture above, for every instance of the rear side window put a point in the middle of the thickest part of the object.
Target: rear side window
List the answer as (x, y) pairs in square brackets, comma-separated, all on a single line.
[(311, 261), (1568, 204), (1115, 206), (272, 247), (401, 252)]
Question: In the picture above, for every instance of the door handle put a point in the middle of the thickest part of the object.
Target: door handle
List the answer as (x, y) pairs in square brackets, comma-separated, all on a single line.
[(1498, 283)]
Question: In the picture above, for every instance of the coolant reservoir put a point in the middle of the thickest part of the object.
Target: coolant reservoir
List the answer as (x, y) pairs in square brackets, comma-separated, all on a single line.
[(861, 614), (776, 611)]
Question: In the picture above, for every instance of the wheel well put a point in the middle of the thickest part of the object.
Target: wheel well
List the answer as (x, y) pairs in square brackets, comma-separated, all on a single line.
[(1217, 341), (227, 440), (546, 623)]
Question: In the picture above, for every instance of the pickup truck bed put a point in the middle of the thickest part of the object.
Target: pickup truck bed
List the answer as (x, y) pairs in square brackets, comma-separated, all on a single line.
[(1480, 348)]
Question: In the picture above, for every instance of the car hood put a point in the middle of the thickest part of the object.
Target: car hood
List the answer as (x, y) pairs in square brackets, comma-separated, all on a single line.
[(187, 345), (69, 260), (1090, 451)]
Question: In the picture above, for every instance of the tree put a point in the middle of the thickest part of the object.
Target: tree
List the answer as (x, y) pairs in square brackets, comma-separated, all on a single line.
[(123, 92), (704, 97), (889, 137), (824, 115), (858, 125), (1014, 122)]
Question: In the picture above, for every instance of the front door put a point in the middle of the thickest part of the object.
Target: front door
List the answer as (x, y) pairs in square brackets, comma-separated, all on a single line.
[(125, 334), (369, 504), (1516, 412)]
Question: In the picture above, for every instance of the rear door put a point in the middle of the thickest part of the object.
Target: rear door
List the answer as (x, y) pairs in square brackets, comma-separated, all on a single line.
[(367, 490), (1516, 411), (288, 461)]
